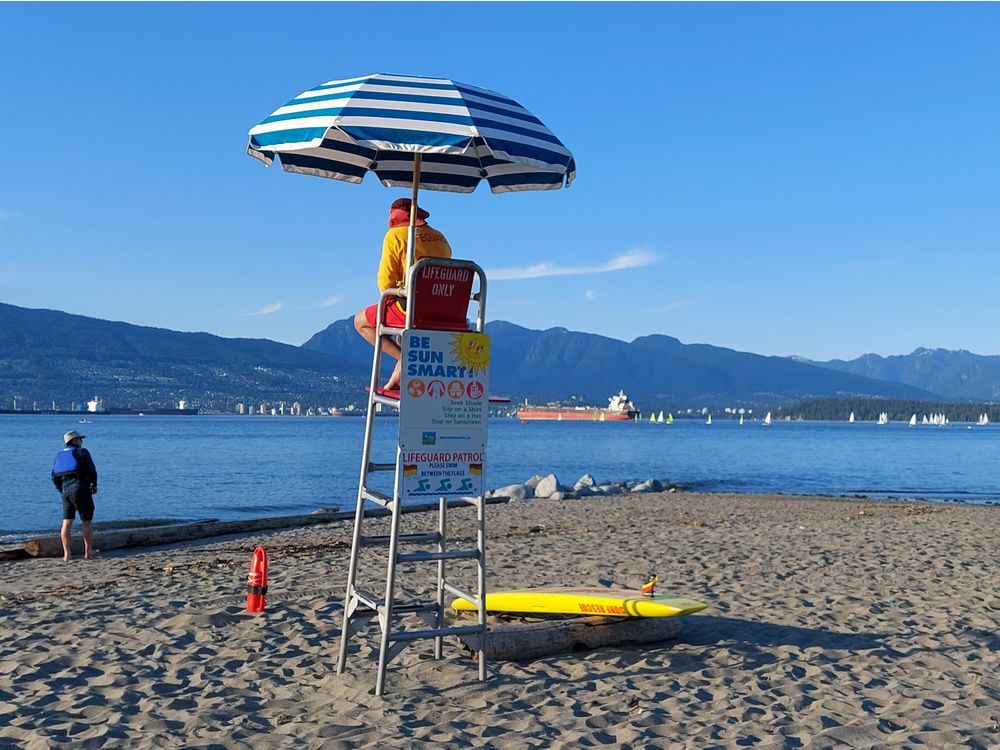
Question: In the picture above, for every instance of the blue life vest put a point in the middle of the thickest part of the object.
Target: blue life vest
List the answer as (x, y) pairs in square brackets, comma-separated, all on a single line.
[(66, 462)]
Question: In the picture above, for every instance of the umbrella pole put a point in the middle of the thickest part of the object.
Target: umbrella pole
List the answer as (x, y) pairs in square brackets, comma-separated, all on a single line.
[(411, 247)]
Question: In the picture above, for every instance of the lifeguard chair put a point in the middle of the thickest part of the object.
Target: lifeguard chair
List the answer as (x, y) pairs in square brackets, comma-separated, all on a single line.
[(437, 298)]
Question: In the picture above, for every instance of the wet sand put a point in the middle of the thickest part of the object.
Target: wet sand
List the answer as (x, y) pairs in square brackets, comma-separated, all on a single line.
[(832, 623)]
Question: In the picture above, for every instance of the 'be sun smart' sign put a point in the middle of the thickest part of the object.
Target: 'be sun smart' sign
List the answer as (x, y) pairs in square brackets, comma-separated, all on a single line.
[(443, 411)]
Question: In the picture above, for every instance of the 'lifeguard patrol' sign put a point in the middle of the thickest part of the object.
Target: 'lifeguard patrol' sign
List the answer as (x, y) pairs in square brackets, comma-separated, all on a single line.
[(443, 412)]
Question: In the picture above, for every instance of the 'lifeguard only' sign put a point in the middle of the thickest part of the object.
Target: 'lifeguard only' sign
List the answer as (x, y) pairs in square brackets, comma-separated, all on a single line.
[(443, 412)]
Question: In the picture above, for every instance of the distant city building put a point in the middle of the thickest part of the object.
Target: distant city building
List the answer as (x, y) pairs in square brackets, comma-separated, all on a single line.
[(240, 408), (274, 412), (182, 404), (95, 405), (262, 409), (296, 409)]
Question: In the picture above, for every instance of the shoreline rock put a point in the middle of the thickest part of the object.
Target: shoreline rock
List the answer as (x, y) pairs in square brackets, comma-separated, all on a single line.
[(550, 487)]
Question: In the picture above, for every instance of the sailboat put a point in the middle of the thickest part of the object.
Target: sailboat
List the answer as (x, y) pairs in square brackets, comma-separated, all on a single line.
[(913, 421), (984, 419), (767, 419), (709, 420), (602, 417), (851, 418), (659, 419), (670, 417), (652, 419), (924, 420), (741, 419), (883, 418)]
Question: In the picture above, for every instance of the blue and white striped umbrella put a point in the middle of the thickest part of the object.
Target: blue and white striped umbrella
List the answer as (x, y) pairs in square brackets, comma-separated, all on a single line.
[(378, 123)]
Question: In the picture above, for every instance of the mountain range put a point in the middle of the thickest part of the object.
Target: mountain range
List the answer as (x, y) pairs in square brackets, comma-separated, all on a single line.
[(956, 374), (47, 355), (654, 370)]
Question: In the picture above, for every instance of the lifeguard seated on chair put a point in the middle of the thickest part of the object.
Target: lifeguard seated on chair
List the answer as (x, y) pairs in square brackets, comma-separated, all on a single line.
[(430, 243)]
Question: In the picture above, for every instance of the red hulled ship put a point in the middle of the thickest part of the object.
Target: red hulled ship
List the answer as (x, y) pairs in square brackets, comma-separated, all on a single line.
[(619, 409)]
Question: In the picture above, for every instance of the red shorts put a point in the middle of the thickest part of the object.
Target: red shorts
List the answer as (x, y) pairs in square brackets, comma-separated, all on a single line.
[(395, 317)]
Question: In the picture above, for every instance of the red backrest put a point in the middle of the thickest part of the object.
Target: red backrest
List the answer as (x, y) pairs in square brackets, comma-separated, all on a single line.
[(440, 297)]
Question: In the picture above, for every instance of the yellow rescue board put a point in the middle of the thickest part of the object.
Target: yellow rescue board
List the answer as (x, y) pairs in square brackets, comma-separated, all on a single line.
[(584, 601)]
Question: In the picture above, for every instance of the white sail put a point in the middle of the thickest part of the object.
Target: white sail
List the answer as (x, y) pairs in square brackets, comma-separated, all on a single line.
[(709, 420), (741, 419), (659, 419), (767, 418), (851, 418), (913, 421)]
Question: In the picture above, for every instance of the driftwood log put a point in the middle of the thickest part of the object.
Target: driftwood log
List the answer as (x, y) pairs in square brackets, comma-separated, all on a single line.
[(13, 553), (520, 641), (153, 536)]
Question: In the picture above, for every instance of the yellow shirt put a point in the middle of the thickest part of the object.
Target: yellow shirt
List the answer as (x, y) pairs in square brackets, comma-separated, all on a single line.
[(430, 244)]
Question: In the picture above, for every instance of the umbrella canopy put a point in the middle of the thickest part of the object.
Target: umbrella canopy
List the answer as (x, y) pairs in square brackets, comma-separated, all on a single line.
[(449, 135)]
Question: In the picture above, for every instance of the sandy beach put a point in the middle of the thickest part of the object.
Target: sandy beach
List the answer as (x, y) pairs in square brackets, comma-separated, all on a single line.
[(832, 623)]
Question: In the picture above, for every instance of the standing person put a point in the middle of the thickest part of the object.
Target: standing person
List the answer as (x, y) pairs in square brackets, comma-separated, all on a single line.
[(430, 243), (75, 476)]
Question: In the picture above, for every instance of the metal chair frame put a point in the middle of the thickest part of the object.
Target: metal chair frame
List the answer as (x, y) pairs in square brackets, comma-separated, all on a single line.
[(360, 604)]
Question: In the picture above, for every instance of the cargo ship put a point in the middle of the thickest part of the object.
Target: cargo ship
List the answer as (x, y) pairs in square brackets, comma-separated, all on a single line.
[(619, 409)]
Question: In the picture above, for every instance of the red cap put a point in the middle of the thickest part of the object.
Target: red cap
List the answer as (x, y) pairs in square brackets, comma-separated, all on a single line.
[(403, 204)]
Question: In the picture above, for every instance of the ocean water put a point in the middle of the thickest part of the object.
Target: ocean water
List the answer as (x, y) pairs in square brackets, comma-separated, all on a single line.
[(239, 467)]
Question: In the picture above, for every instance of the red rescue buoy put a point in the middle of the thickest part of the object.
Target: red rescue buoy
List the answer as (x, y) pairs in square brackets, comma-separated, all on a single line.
[(257, 582)]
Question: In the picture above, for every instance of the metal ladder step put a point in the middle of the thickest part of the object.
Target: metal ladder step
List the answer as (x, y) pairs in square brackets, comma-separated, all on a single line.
[(428, 537), (377, 497), (416, 605), (458, 554), (372, 466), (366, 597), (414, 635), (376, 604)]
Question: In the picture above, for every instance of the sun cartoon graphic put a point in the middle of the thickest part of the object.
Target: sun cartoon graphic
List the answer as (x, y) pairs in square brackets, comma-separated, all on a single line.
[(471, 350)]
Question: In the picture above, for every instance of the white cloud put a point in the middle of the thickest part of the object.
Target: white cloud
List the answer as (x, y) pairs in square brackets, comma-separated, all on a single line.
[(631, 259), (589, 294), (269, 309), (330, 302)]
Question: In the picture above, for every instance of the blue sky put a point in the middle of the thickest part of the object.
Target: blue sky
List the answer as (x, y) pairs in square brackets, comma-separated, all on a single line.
[(821, 180)]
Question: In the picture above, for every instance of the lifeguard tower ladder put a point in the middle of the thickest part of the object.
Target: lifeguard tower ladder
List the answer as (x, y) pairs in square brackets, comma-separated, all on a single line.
[(427, 309)]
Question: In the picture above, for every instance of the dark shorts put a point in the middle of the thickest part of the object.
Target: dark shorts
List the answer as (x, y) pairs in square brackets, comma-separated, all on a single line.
[(79, 501), (395, 317)]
